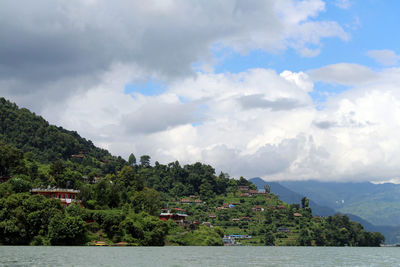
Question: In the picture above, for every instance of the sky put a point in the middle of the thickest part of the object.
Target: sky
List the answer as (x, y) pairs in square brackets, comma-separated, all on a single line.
[(283, 90)]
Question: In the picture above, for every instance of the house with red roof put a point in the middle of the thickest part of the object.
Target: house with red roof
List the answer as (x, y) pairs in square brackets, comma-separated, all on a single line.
[(66, 196), (186, 201), (175, 214)]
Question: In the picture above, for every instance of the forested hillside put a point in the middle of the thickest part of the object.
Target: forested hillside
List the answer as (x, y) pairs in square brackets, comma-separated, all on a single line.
[(32, 133), (121, 201), (376, 206)]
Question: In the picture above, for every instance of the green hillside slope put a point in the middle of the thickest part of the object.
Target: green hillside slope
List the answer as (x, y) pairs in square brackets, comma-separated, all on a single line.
[(47, 143), (116, 201), (29, 132)]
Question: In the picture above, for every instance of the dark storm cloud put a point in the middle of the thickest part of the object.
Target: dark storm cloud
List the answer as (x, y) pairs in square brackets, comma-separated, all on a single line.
[(50, 49), (46, 40)]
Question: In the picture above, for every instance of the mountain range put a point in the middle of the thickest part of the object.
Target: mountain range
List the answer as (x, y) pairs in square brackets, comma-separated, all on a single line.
[(375, 206)]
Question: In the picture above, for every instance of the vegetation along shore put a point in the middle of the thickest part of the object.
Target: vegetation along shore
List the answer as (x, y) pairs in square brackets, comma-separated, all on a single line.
[(58, 188)]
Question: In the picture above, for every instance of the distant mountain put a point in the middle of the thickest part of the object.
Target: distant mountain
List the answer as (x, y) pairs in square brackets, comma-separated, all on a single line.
[(291, 197), (391, 233), (376, 203), (331, 195)]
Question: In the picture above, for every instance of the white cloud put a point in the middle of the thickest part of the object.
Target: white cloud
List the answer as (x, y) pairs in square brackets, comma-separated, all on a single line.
[(352, 138), (298, 36), (72, 65), (343, 4), (384, 57), (250, 135)]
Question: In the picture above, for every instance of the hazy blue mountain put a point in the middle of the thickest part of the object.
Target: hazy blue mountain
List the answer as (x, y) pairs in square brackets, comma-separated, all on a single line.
[(376, 203), (331, 194), (290, 196)]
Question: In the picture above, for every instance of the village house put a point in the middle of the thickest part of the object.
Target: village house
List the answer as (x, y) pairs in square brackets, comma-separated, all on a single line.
[(93, 180), (257, 192), (174, 214), (297, 214), (257, 208), (243, 188), (212, 216), (186, 201), (235, 220), (245, 218), (244, 194), (197, 201), (66, 196), (252, 192)]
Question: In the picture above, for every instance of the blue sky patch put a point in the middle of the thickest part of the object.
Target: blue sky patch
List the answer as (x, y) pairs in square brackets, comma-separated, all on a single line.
[(150, 87), (324, 90)]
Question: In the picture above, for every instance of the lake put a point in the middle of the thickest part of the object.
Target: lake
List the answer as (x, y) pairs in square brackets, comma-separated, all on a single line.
[(198, 256)]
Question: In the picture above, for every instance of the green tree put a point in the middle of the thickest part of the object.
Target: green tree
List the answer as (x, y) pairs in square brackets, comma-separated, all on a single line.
[(67, 230), (101, 192), (85, 194), (144, 230), (319, 236), (132, 160), (11, 160), (267, 188), (206, 191), (304, 202), (24, 217), (145, 161), (147, 200), (269, 239), (304, 238), (20, 183), (113, 196), (128, 176)]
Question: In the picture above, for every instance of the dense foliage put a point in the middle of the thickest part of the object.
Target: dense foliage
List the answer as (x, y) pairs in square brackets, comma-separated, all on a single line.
[(119, 201), (36, 220), (48, 143)]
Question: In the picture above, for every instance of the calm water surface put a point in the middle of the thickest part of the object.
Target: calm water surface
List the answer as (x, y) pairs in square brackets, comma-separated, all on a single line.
[(198, 256)]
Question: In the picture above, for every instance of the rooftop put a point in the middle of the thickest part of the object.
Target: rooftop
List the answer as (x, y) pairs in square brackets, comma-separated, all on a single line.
[(37, 190)]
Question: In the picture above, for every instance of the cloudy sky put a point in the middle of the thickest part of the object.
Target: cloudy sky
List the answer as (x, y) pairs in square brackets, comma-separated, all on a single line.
[(278, 89)]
